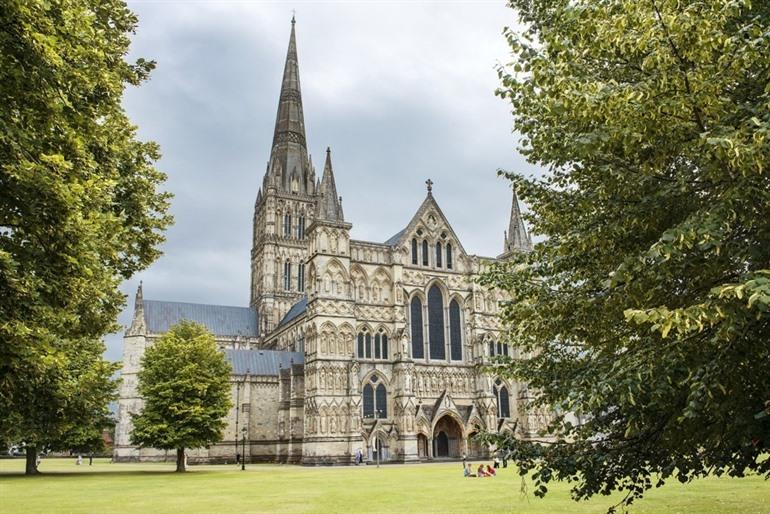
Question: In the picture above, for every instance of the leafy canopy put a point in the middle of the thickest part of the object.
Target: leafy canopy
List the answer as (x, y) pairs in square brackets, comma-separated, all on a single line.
[(80, 206), (643, 316), (185, 382)]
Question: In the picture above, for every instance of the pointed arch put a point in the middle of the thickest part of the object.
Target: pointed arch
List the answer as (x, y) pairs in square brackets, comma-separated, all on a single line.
[(455, 330), (436, 323), (416, 325)]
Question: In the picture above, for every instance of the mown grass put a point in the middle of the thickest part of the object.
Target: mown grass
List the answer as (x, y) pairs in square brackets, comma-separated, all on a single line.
[(145, 488)]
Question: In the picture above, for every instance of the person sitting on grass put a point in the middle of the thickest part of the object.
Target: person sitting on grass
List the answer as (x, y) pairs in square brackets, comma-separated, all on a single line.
[(467, 471), (491, 471), (480, 472)]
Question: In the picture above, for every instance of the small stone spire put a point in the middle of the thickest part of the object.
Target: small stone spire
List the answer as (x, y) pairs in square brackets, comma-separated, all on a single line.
[(329, 207), (137, 323), (516, 238)]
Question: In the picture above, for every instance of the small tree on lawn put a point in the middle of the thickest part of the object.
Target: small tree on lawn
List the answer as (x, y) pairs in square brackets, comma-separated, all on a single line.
[(185, 383)]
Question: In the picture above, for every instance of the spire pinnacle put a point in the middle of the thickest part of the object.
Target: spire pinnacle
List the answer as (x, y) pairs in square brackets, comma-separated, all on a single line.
[(516, 238), (329, 206)]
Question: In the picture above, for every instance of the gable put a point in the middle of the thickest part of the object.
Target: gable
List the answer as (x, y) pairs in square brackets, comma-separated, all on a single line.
[(428, 223)]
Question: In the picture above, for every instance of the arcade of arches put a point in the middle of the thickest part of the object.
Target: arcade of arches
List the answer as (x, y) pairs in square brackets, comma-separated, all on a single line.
[(448, 441)]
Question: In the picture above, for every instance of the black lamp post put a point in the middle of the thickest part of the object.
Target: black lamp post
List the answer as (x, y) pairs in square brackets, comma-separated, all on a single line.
[(243, 452)]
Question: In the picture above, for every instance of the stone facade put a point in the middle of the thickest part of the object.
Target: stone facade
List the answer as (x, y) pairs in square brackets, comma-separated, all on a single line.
[(347, 345)]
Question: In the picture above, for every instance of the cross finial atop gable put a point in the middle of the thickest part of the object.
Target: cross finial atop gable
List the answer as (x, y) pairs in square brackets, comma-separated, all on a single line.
[(429, 183)]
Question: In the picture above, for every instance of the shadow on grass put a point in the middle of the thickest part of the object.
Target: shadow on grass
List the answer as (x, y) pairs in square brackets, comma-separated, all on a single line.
[(127, 473)]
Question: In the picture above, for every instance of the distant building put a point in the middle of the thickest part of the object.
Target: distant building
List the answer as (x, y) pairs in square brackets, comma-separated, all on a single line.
[(347, 344)]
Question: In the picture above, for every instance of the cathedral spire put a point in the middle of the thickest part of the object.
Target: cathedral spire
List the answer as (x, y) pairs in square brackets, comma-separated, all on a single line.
[(288, 156), (517, 239), (329, 207)]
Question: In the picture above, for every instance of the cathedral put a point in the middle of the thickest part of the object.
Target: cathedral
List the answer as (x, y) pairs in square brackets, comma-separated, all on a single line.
[(346, 345)]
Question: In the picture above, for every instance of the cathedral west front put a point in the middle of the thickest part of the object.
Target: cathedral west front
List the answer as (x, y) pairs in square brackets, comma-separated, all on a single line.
[(346, 345)]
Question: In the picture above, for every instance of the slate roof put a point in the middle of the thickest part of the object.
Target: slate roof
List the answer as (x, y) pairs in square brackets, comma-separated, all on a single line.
[(262, 362), (296, 310), (221, 320), (393, 240)]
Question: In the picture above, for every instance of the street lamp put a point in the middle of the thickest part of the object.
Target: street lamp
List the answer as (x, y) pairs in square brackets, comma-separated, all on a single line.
[(243, 453)]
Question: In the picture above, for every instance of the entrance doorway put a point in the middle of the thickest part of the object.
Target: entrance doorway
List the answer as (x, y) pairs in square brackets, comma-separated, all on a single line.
[(447, 438), (380, 447)]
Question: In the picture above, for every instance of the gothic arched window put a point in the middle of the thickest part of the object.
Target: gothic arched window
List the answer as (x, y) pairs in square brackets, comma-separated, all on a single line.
[(375, 399), (287, 225), (449, 255), (499, 348), (368, 401), (287, 275), (301, 227), (301, 277), (381, 345), (503, 401), (436, 323), (364, 345), (381, 402), (439, 251), (416, 323), (424, 252), (414, 251), (455, 332)]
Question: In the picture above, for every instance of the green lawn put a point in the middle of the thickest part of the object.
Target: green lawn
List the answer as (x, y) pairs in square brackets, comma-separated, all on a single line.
[(126, 488)]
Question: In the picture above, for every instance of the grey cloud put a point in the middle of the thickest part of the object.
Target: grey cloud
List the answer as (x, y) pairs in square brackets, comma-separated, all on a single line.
[(401, 91)]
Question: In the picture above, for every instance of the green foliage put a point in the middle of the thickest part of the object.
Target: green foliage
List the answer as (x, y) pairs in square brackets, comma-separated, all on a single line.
[(185, 382), (80, 209), (645, 310)]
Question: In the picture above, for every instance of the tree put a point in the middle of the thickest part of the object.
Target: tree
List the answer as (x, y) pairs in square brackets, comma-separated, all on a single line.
[(185, 382), (80, 208), (643, 317)]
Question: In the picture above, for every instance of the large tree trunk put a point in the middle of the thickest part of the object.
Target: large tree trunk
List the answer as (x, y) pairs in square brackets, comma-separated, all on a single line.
[(31, 468), (181, 465)]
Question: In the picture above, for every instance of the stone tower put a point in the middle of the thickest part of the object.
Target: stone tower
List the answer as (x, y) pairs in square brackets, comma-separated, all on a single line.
[(285, 206), (331, 385)]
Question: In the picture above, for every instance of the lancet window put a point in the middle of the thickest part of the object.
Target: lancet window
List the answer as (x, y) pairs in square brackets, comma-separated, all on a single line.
[(287, 275), (418, 348), (375, 399), (301, 277), (372, 347), (455, 332), (436, 323), (287, 224), (503, 401)]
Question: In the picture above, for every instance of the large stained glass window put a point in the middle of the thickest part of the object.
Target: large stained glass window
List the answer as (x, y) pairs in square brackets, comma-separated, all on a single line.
[(436, 323)]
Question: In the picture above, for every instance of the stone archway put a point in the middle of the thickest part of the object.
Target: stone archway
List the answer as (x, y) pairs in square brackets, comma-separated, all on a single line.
[(422, 446), (476, 450), (447, 438)]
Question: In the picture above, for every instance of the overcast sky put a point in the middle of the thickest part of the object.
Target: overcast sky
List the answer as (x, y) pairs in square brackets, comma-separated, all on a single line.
[(401, 91)]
